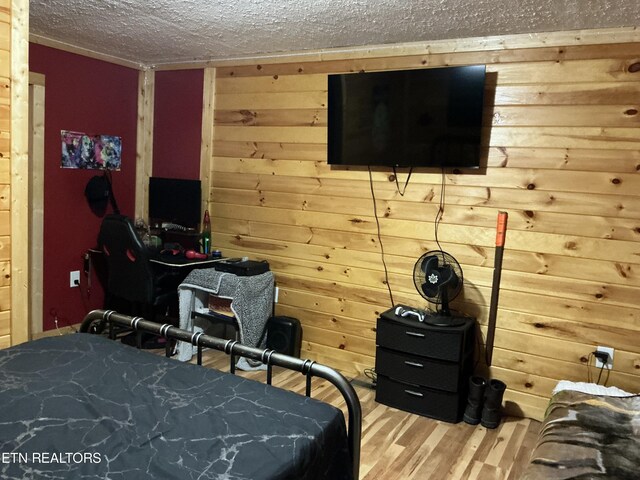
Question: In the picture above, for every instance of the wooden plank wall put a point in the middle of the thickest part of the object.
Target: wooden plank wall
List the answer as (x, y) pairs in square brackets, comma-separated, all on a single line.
[(562, 143), (20, 201), (5, 176)]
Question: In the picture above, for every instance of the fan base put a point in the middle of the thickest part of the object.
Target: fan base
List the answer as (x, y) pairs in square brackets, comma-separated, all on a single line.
[(440, 320)]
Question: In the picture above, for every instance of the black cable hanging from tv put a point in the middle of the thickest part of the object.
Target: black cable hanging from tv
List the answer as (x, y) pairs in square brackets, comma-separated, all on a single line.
[(384, 263), (395, 176), (441, 205)]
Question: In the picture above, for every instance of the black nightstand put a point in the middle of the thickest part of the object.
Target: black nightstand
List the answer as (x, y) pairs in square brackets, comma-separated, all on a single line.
[(423, 368)]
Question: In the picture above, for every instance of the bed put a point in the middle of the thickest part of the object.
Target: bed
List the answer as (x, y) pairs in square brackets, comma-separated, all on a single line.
[(588, 432), (84, 406)]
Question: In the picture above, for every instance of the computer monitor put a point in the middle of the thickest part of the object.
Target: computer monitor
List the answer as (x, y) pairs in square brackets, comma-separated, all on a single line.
[(176, 201)]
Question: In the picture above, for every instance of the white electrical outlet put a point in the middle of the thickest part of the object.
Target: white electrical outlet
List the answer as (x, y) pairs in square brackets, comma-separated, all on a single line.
[(74, 278), (609, 364)]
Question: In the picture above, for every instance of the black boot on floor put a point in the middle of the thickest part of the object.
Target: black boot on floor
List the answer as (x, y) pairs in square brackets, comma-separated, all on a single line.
[(491, 414), (477, 387)]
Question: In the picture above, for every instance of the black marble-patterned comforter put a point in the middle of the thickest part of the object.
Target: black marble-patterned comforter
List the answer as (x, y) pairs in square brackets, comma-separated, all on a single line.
[(84, 407)]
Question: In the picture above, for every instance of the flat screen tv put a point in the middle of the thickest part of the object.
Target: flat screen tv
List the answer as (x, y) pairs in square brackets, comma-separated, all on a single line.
[(410, 118), (175, 200)]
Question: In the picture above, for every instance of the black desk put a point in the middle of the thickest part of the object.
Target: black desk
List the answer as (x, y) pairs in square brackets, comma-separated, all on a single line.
[(169, 270), (169, 261), (180, 262)]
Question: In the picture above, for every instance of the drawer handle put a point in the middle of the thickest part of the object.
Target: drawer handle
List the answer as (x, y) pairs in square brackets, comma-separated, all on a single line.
[(415, 334), (415, 394), (413, 364)]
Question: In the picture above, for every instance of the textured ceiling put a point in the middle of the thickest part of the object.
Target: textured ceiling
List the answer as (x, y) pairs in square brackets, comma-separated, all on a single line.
[(173, 31)]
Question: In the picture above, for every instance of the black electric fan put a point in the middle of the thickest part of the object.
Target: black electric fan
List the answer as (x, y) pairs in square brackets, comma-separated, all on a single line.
[(437, 276)]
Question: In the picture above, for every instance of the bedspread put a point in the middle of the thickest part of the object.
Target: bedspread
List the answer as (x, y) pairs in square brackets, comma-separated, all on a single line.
[(587, 436), (82, 406)]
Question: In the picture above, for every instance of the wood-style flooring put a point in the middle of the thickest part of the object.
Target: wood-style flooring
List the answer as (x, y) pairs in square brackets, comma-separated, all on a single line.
[(397, 445)]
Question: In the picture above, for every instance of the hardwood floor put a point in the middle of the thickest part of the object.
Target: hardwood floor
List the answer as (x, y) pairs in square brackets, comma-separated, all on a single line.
[(400, 446)]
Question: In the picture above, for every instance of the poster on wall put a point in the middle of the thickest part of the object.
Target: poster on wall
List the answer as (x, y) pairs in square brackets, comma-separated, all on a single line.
[(81, 150)]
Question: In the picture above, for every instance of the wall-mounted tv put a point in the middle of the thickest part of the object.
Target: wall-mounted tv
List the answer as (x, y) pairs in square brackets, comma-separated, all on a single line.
[(408, 118)]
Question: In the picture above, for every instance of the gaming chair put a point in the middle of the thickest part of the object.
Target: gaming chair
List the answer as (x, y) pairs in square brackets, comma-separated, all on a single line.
[(133, 286)]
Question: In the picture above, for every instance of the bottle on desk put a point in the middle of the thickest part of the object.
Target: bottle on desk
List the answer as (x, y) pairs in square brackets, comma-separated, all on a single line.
[(206, 233)]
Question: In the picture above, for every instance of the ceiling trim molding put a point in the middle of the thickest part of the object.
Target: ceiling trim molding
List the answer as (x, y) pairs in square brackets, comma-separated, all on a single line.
[(67, 47), (601, 36), (471, 44)]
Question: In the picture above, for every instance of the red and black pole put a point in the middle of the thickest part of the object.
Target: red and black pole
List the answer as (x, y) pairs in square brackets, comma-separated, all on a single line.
[(501, 233)]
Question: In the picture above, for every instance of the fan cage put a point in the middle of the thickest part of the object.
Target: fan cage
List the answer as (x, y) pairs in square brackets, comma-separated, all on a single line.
[(420, 277)]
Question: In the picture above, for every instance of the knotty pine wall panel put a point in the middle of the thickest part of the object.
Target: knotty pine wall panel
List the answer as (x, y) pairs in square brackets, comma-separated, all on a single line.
[(5, 164), (561, 148)]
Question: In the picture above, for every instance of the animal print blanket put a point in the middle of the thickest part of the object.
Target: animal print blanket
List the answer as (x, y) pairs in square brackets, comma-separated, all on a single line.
[(588, 436)]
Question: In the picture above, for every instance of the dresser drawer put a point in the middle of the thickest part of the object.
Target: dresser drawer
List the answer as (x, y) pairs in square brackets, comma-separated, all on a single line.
[(413, 337), (438, 404), (419, 370)]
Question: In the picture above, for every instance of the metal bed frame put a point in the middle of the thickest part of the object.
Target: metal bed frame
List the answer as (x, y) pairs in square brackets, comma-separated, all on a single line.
[(234, 349)]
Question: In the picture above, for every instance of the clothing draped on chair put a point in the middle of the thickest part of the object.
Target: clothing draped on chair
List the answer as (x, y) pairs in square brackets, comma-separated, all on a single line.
[(251, 303)]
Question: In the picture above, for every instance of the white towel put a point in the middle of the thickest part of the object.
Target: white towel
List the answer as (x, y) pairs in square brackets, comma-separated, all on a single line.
[(590, 388)]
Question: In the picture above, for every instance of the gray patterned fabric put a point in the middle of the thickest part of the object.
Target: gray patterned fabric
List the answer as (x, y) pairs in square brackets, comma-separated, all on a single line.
[(251, 302), (84, 407)]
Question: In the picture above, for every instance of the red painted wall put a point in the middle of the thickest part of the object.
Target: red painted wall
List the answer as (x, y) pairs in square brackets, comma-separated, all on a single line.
[(95, 97), (177, 123)]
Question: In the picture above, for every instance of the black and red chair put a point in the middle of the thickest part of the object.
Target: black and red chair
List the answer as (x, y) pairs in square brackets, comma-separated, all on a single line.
[(133, 286)]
